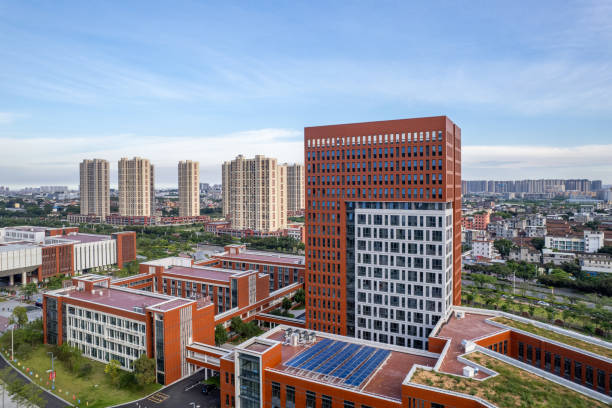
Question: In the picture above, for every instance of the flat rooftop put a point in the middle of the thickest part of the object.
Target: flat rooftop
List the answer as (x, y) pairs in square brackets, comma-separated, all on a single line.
[(202, 272), (85, 238), (259, 256), (119, 299), (16, 245), (351, 363), (471, 327)]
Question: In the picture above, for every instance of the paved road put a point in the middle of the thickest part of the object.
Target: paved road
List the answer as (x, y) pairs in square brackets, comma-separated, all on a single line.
[(180, 395), (51, 400)]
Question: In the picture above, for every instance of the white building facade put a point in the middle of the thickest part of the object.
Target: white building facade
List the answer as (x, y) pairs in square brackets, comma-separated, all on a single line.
[(403, 273)]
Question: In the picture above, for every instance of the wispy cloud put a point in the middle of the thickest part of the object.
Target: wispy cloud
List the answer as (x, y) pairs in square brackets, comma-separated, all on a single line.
[(515, 162), (28, 161), (10, 117)]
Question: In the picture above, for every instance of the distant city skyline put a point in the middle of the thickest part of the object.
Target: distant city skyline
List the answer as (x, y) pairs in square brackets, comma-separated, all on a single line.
[(532, 91)]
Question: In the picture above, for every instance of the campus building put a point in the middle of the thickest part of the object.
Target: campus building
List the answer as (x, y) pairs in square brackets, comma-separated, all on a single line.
[(283, 269), (189, 188), (94, 187), (112, 323), (38, 253), (242, 292), (136, 188), (469, 352), (383, 228), (255, 193)]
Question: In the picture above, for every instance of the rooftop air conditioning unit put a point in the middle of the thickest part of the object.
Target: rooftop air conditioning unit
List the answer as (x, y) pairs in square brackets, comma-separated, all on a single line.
[(294, 339), (459, 314), (468, 371)]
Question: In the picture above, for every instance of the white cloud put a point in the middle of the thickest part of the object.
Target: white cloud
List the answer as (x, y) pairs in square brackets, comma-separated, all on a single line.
[(45, 160), (7, 118), (521, 162)]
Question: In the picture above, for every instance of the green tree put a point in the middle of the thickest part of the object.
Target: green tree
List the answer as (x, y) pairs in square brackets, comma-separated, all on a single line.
[(531, 310), (28, 290), (220, 335), (31, 396), (503, 246), (482, 280), (113, 370), (144, 370), (538, 243), (19, 316), (300, 296), (286, 304)]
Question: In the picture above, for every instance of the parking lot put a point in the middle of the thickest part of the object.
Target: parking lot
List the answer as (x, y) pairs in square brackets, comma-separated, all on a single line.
[(186, 393)]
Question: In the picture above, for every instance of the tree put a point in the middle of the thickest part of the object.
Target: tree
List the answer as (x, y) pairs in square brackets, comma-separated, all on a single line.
[(19, 316), (300, 296), (31, 396), (28, 290), (607, 249), (470, 298), (538, 243), (481, 280), (144, 370), (503, 246), (287, 303), (220, 335), (113, 371)]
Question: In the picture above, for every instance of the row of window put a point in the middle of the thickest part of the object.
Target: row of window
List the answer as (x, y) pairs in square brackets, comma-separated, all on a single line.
[(562, 366), (372, 166), (370, 193), (311, 398)]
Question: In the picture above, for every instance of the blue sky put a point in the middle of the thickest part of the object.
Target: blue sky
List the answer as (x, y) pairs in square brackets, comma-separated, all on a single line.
[(530, 83)]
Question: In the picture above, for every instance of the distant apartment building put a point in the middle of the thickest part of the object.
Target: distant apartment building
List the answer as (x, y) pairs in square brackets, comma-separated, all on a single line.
[(383, 228), (483, 249), (136, 187), (189, 194), (295, 188), (254, 193), (94, 187), (589, 241), (595, 264)]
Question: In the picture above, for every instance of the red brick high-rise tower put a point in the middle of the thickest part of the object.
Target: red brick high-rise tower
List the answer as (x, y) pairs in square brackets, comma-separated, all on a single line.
[(383, 227)]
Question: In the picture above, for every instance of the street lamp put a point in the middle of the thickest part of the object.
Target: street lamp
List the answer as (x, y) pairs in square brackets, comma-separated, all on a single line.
[(52, 370)]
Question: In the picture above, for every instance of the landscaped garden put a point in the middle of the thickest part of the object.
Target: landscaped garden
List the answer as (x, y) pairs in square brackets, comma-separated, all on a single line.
[(604, 351), (78, 380), (91, 387), (512, 388)]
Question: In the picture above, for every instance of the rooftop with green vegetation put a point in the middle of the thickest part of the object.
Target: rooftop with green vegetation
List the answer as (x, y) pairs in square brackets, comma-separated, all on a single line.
[(511, 388), (572, 341)]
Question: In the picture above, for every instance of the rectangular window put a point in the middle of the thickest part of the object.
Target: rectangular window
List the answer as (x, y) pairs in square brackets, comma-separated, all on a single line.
[(557, 364), (311, 399), (521, 349), (326, 401), (577, 372), (547, 360)]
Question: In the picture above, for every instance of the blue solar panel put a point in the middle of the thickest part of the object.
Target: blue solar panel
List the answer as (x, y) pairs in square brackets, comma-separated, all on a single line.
[(353, 362), (331, 364), (324, 355), (307, 354), (367, 368)]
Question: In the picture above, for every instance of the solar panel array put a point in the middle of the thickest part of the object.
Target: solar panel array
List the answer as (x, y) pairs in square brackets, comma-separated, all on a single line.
[(367, 368), (349, 362), (333, 363), (306, 355), (354, 362)]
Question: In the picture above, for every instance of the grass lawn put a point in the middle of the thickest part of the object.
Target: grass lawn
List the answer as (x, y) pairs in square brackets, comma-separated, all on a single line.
[(513, 387), (604, 351), (94, 391)]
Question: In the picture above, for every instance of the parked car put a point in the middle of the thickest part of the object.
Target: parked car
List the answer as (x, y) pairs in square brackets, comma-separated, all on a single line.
[(207, 389)]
